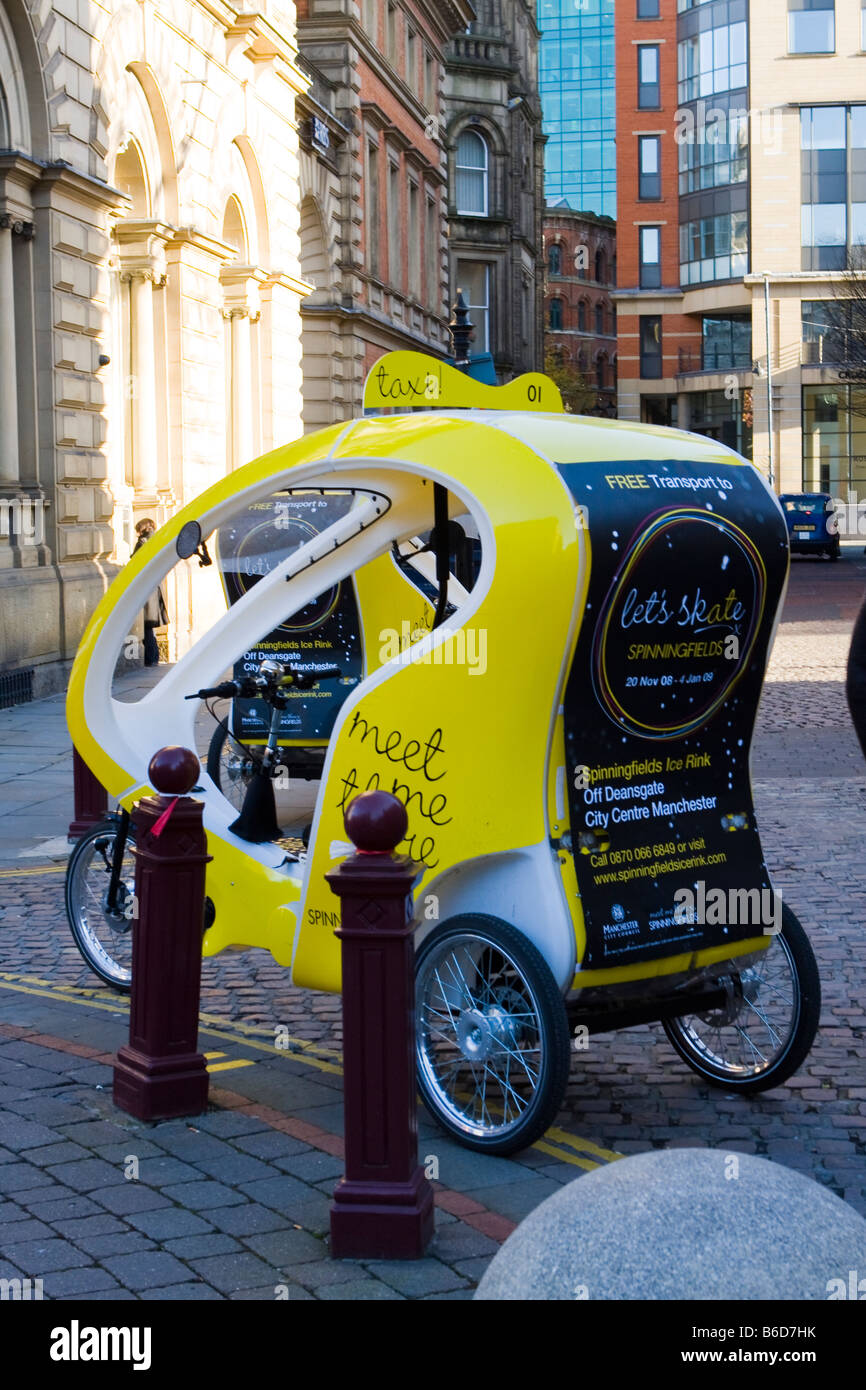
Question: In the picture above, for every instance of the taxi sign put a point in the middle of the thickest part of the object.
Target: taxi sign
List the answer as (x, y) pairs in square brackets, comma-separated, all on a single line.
[(413, 380)]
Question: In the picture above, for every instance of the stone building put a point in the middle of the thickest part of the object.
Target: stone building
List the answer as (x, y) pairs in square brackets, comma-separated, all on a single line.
[(372, 187), (150, 288), (495, 149), (579, 314)]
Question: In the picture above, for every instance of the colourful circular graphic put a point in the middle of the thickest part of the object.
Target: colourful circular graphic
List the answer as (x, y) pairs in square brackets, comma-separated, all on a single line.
[(263, 548), (678, 624)]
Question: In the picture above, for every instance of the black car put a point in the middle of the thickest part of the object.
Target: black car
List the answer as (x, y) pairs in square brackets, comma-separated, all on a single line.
[(813, 526)]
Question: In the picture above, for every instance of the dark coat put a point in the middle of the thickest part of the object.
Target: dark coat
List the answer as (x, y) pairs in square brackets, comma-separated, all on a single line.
[(855, 685), (155, 610)]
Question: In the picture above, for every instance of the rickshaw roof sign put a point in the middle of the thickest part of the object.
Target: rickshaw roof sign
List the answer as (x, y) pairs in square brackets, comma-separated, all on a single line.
[(413, 380)]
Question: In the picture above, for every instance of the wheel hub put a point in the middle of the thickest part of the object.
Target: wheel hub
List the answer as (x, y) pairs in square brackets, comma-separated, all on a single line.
[(729, 1012), (121, 914), (482, 1032), (238, 768)]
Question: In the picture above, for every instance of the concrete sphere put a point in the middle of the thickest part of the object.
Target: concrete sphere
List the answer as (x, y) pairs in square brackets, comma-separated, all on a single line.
[(684, 1223)]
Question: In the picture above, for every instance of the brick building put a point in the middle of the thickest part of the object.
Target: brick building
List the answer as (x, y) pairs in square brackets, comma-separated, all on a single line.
[(580, 326), (373, 190)]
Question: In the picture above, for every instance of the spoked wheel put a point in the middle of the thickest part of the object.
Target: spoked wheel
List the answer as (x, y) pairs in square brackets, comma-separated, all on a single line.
[(103, 934), (493, 1047), (230, 765), (768, 1023)]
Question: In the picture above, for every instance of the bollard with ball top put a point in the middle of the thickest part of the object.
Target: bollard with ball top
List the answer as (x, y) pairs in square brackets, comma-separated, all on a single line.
[(160, 1073), (383, 1206)]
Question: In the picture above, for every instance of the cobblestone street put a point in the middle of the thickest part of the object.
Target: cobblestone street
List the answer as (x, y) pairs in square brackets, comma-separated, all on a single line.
[(215, 1225)]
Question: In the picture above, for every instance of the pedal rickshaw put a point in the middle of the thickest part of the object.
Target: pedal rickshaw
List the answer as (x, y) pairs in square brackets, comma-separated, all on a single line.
[(570, 735)]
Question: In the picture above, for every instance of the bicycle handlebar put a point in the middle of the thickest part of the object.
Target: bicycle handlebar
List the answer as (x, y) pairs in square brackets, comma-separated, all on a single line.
[(264, 685), (222, 691)]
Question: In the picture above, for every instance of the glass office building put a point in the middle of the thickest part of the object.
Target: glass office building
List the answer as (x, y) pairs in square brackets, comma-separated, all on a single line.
[(578, 98)]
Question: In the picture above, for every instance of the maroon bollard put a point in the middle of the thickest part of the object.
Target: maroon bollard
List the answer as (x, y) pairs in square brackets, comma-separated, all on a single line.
[(383, 1206), (90, 798), (160, 1073)]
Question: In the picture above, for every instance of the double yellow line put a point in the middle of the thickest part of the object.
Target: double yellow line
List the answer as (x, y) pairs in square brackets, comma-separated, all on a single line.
[(557, 1143)]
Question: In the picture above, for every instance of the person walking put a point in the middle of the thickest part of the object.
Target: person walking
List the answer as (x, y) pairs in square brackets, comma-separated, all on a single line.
[(155, 610)]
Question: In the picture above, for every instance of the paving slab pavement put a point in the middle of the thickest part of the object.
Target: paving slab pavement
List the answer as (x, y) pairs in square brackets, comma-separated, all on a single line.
[(199, 1222)]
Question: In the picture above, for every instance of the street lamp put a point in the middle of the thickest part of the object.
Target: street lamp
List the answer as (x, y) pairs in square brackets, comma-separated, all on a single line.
[(461, 330), (772, 470)]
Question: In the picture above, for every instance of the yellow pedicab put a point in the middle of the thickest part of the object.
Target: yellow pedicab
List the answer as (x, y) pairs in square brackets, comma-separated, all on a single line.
[(570, 733)]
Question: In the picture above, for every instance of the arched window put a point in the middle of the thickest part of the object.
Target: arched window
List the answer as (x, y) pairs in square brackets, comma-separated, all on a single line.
[(130, 177), (235, 231), (599, 318), (614, 366), (581, 316), (601, 371), (556, 314), (554, 259), (471, 169), (600, 266)]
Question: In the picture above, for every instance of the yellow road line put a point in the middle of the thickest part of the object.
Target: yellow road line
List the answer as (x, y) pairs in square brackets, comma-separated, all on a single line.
[(562, 1136), (6, 983), (33, 873), (286, 1052), (296, 1047), (255, 1030), (239, 1034), (564, 1156), (44, 989)]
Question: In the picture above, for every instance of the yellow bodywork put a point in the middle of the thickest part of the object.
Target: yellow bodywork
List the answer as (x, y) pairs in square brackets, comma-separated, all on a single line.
[(475, 756)]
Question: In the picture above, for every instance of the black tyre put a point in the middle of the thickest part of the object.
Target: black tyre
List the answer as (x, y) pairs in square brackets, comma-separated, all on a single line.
[(102, 935), (230, 765), (492, 1036), (767, 1027)]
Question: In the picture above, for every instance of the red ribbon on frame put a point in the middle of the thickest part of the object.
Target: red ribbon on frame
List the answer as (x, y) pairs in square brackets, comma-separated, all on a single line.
[(163, 820)]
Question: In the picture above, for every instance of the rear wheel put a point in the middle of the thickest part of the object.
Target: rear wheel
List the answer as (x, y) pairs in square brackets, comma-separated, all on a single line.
[(103, 933), (767, 1026), (493, 1044)]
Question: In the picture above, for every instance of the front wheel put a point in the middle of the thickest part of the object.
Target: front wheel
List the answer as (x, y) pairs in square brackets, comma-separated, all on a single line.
[(103, 930), (492, 1037), (767, 1025), (231, 765)]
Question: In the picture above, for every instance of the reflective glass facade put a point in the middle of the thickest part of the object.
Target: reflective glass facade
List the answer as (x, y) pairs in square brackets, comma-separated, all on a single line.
[(578, 96), (833, 140), (834, 439)]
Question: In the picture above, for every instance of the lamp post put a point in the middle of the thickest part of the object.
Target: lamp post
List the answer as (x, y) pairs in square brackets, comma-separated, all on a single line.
[(461, 329), (771, 464)]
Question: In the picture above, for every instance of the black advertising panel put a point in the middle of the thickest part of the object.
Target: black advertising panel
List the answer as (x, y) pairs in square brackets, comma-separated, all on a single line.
[(688, 565), (326, 632)]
